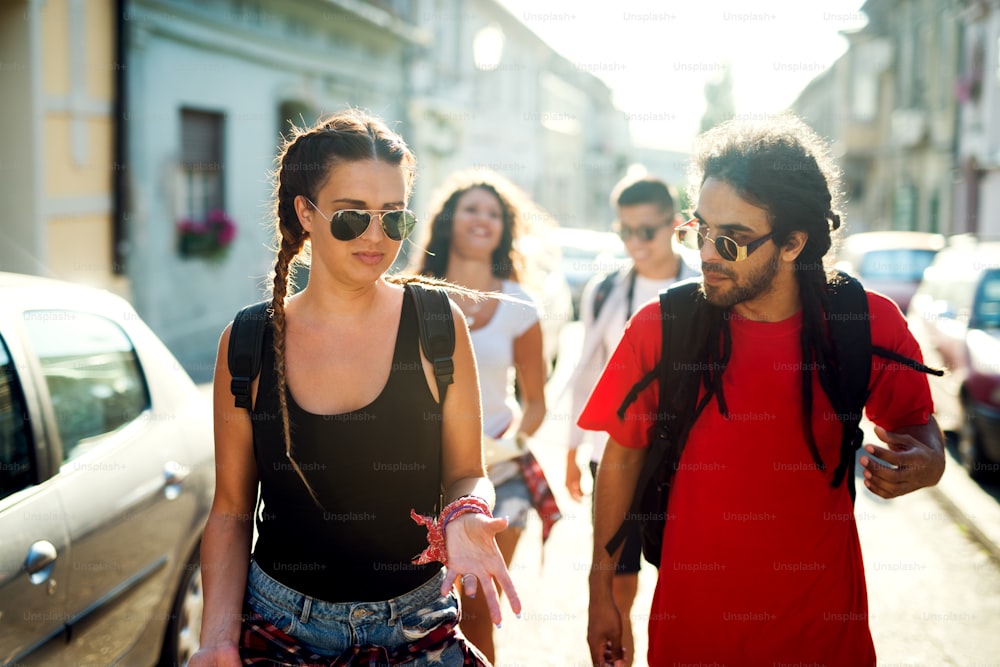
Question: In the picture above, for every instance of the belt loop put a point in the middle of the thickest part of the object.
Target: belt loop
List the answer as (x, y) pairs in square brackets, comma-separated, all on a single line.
[(393, 612), (306, 609)]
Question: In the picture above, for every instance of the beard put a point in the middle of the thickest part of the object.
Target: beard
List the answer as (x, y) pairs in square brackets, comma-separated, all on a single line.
[(752, 285)]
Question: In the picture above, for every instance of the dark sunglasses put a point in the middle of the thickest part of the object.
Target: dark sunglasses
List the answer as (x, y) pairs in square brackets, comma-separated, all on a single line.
[(690, 235), (348, 224), (642, 233)]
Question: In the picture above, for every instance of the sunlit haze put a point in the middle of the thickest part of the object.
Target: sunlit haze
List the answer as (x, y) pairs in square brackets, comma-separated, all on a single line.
[(657, 56)]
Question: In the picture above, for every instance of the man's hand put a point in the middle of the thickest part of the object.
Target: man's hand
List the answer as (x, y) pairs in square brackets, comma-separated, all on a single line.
[(604, 631), (573, 476), (915, 458)]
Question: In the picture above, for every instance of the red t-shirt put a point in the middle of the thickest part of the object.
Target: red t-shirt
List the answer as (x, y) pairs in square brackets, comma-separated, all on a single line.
[(761, 562)]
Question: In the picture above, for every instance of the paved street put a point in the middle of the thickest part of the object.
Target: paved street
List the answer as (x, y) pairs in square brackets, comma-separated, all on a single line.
[(934, 593)]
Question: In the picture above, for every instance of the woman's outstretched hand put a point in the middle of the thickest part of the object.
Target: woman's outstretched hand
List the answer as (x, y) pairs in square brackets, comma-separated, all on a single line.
[(474, 559)]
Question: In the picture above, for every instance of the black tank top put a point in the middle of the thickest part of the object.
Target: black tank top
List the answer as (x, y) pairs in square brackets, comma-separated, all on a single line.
[(368, 467)]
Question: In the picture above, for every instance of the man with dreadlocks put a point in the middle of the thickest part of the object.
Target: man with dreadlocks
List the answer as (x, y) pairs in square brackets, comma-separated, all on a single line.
[(761, 562)]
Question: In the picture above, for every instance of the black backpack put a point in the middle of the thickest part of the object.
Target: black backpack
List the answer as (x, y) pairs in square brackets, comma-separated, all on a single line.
[(437, 339), (681, 303)]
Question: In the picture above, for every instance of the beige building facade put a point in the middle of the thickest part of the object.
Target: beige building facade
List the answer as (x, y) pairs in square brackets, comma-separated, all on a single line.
[(60, 68)]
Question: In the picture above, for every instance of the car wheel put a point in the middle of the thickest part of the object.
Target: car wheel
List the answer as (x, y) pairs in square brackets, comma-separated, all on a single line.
[(184, 629)]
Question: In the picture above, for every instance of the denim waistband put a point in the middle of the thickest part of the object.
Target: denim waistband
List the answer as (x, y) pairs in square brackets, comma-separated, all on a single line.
[(304, 607)]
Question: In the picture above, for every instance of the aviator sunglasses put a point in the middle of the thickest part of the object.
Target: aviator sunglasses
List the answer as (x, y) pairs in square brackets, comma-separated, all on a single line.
[(643, 233), (690, 235), (348, 224)]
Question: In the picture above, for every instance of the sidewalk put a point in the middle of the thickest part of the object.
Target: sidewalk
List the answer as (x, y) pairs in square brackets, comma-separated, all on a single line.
[(964, 500), (970, 506)]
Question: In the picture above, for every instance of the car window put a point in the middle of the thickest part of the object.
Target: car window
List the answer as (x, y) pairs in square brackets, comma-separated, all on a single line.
[(17, 466), (987, 313), (896, 264), (92, 372)]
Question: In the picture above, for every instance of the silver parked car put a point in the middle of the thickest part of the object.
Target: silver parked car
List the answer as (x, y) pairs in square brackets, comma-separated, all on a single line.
[(106, 478)]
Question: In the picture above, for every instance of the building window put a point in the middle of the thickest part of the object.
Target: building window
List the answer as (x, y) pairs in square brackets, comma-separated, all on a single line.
[(293, 112), (200, 178)]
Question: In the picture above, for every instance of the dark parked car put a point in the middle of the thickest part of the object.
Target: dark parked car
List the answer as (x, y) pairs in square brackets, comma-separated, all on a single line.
[(891, 262), (106, 477), (955, 315)]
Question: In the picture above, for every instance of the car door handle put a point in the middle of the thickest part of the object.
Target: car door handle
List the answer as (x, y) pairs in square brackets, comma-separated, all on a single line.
[(40, 561), (174, 474)]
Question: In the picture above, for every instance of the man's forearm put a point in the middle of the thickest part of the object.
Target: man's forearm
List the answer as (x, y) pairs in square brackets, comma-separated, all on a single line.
[(614, 488)]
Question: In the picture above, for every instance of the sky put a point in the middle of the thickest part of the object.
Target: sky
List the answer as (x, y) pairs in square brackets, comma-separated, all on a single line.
[(657, 55)]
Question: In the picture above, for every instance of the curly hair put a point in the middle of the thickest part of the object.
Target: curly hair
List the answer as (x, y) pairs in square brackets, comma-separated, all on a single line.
[(508, 262)]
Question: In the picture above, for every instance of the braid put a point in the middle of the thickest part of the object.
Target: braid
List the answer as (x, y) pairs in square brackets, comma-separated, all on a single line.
[(817, 352), (286, 255)]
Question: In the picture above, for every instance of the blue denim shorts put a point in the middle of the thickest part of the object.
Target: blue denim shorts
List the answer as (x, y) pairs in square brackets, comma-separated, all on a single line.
[(513, 501), (332, 628)]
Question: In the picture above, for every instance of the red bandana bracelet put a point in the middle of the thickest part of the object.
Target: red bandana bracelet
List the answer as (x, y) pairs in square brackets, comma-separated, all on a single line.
[(436, 549)]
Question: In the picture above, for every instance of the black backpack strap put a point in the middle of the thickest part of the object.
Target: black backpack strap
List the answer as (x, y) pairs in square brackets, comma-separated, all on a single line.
[(246, 340), (602, 290), (680, 346), (851, 336), (437, 332)]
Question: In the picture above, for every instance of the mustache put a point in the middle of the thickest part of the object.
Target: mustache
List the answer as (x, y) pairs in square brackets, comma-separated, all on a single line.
[(718, 268)]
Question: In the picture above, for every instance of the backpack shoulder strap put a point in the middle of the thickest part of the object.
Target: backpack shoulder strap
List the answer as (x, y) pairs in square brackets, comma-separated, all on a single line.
[(678, 304), (246, 340), (602, 290), (678, 307), (851, 336), (437, 332)]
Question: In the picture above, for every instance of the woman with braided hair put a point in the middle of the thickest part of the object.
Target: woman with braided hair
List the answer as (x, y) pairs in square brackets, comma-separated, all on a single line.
[(760, 562), (347, 440)]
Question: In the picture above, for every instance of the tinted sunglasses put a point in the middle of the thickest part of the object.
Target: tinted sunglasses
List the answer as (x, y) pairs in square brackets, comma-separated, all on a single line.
[(643, 233), (690, 235), (348, 224)]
